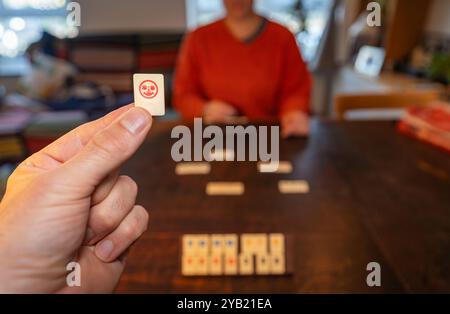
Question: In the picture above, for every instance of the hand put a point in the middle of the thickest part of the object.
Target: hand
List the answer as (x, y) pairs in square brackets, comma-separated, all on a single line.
[(294, 123), (217, 111), (66, 203)]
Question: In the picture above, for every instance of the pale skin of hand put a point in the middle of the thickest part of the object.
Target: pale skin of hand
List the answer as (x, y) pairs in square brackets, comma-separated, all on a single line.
[(218, 111), (294, 123), (67, 203)]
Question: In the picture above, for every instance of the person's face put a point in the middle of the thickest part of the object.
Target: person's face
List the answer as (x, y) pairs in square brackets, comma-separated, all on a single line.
[(238, 8)]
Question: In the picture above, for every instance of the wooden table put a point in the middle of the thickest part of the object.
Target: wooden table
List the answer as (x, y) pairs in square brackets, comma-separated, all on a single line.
[(375, 196)]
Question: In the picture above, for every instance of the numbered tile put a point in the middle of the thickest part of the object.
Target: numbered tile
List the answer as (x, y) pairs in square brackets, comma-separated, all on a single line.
[(215, 264), (230, 244), (196, 244), (188, 265), (202, 244), (225, 188), (230, 264), (272, 167), (293, 186), (277, 264), (192, 168), (248, 243), (217, 244), (263, 264), (189, 244), (245, 264), (254, 243), (201, 265), (260, 243), (276, 243)]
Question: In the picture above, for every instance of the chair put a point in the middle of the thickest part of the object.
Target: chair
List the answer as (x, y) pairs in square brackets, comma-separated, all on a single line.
[(347, 102)]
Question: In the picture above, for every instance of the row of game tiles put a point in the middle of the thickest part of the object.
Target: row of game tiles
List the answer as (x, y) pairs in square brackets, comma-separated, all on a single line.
[(217, 254), (250, 244), (238, 188), (202, 168), (232, 264), (229, 188)]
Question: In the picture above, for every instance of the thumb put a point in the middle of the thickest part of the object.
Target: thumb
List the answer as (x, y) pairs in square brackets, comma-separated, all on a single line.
[(107, 150)]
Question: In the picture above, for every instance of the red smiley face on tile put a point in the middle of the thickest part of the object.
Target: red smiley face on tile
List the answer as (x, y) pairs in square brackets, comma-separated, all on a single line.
[(148, 89)]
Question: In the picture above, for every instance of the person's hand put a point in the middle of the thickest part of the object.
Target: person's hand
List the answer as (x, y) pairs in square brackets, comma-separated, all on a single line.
[(217, 111), (294, 123), (67, 203)]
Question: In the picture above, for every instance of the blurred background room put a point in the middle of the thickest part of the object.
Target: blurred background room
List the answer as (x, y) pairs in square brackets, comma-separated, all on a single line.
[(55, 75), (91, 65)]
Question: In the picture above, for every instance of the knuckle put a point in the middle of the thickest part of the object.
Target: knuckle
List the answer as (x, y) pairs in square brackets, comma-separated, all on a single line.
[(106, 221), (120, 205), (107, 143), (129, 230), (137, 223)]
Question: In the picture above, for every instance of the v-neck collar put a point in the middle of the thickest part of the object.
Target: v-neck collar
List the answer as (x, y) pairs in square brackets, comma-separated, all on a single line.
[(250, 39)]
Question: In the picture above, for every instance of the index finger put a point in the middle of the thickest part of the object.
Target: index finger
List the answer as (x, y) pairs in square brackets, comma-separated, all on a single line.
[(71, 143)]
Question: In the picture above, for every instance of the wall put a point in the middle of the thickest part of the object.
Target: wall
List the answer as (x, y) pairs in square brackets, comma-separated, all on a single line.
[(406, 21), (106, 16), (438, 19)]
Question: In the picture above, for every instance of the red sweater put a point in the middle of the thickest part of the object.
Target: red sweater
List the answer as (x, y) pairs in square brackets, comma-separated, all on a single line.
[(261, 79)]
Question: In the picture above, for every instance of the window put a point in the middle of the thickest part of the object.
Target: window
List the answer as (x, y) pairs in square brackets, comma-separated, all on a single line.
[(22, 23), (306, 19)]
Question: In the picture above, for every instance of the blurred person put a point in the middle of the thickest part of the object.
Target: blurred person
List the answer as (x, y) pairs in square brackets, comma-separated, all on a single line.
[(245, 65), (67, 203)]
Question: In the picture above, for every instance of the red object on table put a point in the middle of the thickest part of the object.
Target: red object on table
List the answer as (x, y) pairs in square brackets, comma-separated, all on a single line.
[(430, 124)]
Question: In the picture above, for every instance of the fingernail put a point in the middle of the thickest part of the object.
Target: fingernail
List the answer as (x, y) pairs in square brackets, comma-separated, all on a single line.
[(104, 249), (135, 120)]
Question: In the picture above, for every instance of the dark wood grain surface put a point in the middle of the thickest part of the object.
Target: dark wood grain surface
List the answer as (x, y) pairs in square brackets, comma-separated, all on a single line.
[(375, 196)]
